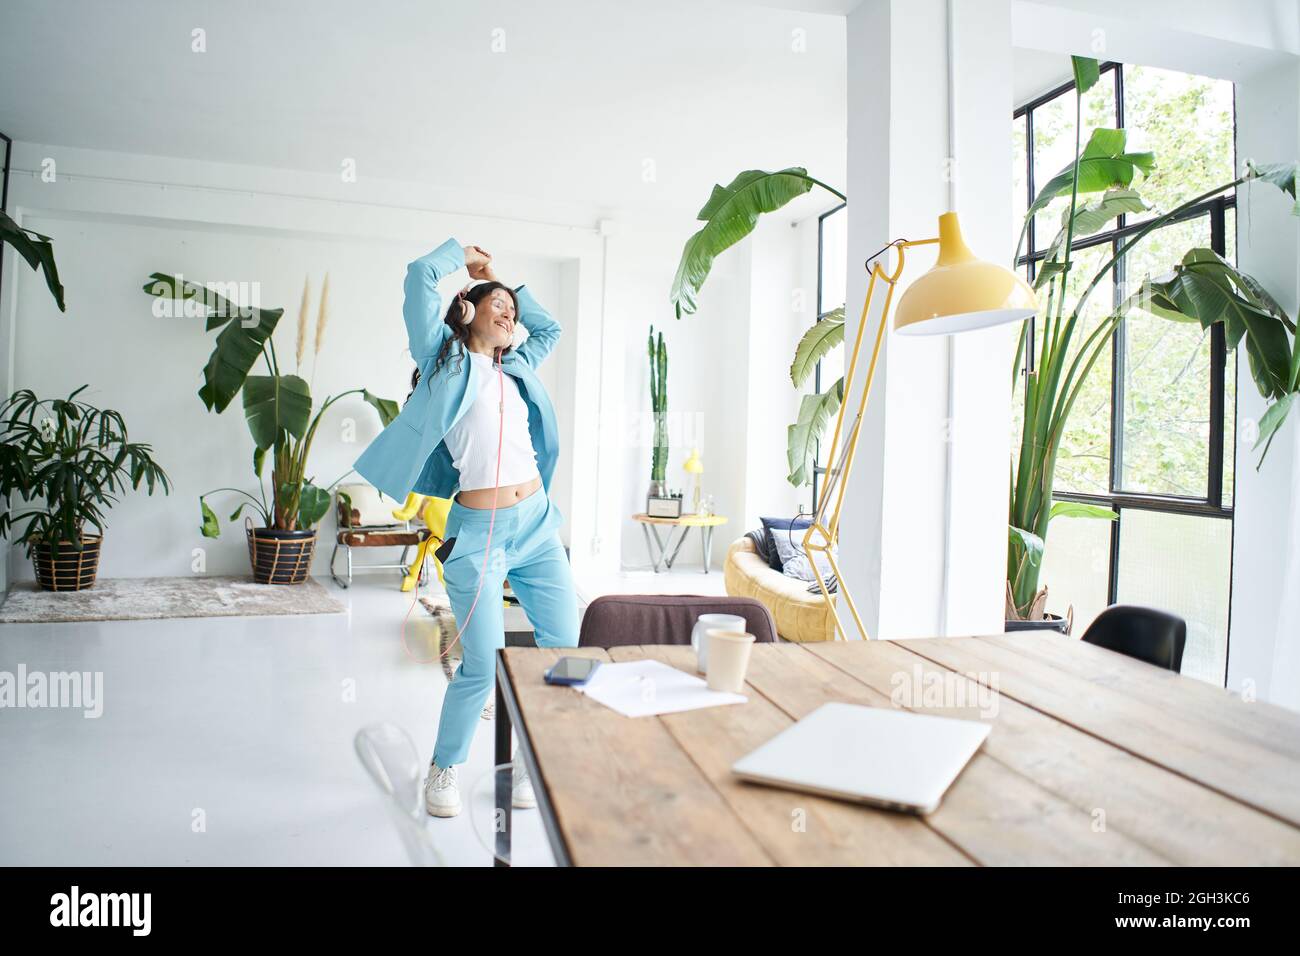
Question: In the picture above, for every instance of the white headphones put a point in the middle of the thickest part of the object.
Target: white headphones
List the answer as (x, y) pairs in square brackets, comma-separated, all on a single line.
[(466, 308)]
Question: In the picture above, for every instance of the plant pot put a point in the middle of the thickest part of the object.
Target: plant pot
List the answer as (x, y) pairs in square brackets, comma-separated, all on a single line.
[(280, 557), (1053, 622), (72, 570)]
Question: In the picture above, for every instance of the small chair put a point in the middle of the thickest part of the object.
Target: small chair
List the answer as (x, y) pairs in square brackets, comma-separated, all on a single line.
[(365, 520), (615, 620), (1144, 633)]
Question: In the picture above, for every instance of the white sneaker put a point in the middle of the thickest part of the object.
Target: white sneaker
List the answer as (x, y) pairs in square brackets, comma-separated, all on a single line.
[(521, 790), (441, 795)]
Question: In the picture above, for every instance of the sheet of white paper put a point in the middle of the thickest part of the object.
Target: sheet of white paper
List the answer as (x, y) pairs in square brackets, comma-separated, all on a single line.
[(646, 688)]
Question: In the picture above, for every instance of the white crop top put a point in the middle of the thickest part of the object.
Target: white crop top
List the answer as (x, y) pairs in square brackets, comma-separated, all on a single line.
[(472, 441)]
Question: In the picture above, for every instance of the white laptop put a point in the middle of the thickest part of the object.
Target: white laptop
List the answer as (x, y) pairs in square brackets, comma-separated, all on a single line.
[(877, 755)]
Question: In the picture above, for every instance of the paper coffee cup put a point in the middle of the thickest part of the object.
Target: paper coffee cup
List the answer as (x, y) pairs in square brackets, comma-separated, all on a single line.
[(700, 635), (728, 659)]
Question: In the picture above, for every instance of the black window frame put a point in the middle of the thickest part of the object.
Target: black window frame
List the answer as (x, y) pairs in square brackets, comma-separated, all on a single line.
[(822, 312), (1215, 210)]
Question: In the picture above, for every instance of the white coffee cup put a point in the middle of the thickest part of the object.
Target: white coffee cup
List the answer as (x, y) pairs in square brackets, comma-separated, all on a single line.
[(705, 622), (728, 659)]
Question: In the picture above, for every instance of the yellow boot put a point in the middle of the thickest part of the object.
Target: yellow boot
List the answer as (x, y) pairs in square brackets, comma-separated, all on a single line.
[(410, 508)]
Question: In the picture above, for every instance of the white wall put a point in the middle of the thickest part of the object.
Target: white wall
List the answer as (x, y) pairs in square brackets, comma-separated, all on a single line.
[(783, 305), (1268, 130), (114, 224)]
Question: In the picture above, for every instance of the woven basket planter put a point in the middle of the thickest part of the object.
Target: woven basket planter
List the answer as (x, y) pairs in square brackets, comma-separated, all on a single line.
[(280, 557), (72, 570)]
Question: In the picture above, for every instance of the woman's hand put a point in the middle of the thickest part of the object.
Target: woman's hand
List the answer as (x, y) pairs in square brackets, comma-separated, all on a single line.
[(477, 261)]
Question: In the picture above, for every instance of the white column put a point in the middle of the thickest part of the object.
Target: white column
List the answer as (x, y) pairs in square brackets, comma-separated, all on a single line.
[(894, 542), (1265, 626)]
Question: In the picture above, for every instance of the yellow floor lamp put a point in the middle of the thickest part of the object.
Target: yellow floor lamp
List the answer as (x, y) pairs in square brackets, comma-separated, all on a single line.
[(959, 293)]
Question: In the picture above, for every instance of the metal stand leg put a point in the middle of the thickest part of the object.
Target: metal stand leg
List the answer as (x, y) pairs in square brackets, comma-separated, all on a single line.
[(706, 546), (504, 781), (680, 538)]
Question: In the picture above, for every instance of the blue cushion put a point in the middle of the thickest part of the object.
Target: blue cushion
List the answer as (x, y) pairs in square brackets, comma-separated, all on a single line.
[(783, 526)]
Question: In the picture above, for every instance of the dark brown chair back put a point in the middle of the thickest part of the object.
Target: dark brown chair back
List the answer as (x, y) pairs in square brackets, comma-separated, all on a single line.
[(614, 620)]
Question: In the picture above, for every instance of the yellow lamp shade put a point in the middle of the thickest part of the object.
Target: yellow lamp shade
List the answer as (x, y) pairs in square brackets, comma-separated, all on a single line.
[(961, 292), (693, 464)]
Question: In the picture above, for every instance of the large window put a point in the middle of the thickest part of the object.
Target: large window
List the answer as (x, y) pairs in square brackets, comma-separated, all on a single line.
[(1151, 435)]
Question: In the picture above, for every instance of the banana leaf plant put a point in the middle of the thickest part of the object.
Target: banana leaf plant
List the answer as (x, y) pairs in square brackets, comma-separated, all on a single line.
[(729, 216), (1102, 183), (277, 406), (38, 250)]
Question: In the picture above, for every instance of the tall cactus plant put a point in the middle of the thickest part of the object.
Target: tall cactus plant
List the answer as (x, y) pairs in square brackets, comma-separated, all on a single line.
[(659, 409)]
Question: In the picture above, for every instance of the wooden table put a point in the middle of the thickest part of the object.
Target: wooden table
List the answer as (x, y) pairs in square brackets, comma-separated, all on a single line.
[(1093, 759), (659, 549)]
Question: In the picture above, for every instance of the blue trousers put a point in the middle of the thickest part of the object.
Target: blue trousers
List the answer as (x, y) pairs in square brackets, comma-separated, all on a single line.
[(526, 548)]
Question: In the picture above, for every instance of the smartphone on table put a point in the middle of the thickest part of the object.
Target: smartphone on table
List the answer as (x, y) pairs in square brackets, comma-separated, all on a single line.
[(571, 670)]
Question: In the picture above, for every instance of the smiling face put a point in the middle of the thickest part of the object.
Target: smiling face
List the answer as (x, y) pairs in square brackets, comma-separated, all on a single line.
[(494, 319)]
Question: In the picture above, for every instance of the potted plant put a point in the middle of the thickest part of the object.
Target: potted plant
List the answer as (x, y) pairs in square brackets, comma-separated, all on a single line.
[(69, 461), (278, 408), (1101, 184), (659, 409)]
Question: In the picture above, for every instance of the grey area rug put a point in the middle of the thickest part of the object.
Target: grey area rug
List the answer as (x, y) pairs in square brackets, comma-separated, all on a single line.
[(142, 599)]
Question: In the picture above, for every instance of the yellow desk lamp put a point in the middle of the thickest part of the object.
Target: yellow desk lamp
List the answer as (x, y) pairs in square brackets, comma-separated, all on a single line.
[(694, 466), (959, 293)]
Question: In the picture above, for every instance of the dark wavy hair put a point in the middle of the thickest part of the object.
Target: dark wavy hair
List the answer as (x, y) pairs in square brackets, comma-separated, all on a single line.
[(460, 331)]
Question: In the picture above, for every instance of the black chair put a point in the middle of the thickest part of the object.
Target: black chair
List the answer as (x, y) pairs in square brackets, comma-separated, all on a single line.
[(1144, 633)]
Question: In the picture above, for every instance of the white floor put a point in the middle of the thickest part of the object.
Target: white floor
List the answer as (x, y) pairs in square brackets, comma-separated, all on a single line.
[(229, 740)]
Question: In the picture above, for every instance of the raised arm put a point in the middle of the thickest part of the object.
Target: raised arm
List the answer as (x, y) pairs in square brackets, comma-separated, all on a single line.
[(543, 331), (422, 309)]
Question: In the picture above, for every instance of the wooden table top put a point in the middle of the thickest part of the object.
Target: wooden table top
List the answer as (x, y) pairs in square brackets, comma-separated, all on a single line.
[(1093, 759), (691, 520)]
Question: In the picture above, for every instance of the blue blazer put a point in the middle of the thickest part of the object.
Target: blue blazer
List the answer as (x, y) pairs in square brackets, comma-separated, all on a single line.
[(410, 454)]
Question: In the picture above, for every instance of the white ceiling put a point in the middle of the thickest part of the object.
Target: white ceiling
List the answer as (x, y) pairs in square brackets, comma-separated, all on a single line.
[(585, 93)]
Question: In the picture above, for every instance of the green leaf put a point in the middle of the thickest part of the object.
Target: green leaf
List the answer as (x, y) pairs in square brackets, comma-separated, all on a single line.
[(312, 505), (259, 458), (1281, 175), (1103, 165), (815, 344), (1270, 422), (1086, 72), (1031, 543), (37, 250), (237, 347), (273, 403), (211, 527), (814, 412), (1205, 288), (729, 216), (386, 407), (1047, 271), (1078, 509), (1093, 216)]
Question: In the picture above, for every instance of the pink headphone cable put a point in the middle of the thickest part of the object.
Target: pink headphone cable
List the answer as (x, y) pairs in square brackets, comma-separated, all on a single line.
[(487, 550)]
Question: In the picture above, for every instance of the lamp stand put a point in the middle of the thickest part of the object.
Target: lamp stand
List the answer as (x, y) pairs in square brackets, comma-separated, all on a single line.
[(823, 533)]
